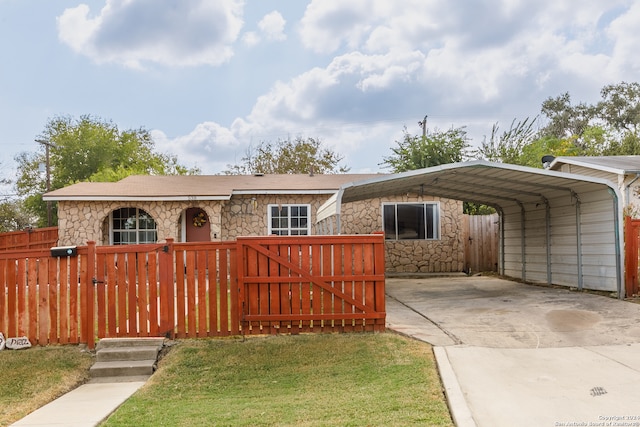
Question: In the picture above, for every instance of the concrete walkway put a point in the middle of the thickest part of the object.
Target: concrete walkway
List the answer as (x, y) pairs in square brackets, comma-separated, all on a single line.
[(518, 355), (86, 406)]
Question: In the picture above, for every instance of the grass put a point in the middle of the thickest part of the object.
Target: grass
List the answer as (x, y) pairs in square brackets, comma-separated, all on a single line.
[(303, 380), (35, 376)]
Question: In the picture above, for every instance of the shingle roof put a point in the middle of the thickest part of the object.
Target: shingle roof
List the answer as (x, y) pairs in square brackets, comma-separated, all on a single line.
[(203, 187)]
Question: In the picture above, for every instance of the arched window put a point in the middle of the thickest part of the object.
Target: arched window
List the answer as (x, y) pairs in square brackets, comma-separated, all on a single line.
[(131, 226)]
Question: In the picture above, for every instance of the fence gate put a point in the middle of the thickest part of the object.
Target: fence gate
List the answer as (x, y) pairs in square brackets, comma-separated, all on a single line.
[(312, 284), (128, 298), (481, 242)]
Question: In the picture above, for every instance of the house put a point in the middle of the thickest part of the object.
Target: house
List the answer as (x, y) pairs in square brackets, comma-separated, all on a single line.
[(624, 171), (422, 231)]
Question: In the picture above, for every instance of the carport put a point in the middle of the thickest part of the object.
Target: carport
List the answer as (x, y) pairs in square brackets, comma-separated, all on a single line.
[(555, 228)]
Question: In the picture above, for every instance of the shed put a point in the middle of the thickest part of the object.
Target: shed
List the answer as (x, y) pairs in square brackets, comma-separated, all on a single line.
[(555, 228)]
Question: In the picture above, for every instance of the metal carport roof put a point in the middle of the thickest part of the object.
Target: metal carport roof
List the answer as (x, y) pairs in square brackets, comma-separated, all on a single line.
[(555, 228)]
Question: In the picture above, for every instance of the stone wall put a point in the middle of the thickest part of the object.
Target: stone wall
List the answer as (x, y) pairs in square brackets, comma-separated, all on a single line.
[(248, 215), (412, 256), (80, 222)]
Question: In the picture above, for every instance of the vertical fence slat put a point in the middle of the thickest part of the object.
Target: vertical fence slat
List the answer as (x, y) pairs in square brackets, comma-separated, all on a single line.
[(110, 283), (153, 295), (132, 296), (32, 280), (4, 289), (305, 264), (21, 282), (236, 294), (191, 294), (53, 300), (43, 301), (63, 281), (74, 335), (101, 295), (143, 290), (201, 283), (294, 257), (12, 306), (181, 296)]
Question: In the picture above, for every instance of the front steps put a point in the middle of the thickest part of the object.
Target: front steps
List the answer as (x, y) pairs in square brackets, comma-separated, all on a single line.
[(125, 359)]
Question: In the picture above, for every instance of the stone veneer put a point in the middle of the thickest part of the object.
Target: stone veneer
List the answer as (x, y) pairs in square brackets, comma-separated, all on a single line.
[(412, 256), (245, 215)]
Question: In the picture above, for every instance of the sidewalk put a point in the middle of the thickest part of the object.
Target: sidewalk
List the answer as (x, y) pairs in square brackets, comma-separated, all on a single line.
[(86, 406)]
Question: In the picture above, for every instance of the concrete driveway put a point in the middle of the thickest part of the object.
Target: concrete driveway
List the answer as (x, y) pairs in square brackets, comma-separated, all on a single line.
[(515, 354)]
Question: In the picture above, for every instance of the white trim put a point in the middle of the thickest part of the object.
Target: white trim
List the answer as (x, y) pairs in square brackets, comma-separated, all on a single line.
[(137, 198), (270, 192), (289, 205), (590, 165)]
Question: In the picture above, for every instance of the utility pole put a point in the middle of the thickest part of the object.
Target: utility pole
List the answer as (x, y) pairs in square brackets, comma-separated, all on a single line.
[(423, 124), (47, 146)]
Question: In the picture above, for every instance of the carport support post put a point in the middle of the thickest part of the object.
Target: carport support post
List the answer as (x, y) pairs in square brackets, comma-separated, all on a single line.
[(548, 230), (523, 237), (578, 241)]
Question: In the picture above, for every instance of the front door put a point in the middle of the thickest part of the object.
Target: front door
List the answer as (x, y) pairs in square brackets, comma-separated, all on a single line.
[(198, 226)]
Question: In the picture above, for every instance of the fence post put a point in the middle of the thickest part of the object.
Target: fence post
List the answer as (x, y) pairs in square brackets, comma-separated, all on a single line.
[(167, 298), (90, 291)]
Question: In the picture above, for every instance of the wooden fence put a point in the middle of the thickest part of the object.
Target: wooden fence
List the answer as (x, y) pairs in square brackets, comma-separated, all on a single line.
[(631, 255), (37, 238), (480, 234), (187, 290)]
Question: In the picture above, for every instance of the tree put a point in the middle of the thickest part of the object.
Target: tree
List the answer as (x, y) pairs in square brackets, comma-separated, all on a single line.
[(620, 107), (508, 146), (88, 149), (289, 157), (436, 148), (13, 216)]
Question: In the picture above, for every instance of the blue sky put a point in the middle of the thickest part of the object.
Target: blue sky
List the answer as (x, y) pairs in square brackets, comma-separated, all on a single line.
[(210, 78)]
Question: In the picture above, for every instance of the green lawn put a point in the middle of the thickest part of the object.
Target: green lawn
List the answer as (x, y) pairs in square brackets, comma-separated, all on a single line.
[(35, 376), (304, 380)]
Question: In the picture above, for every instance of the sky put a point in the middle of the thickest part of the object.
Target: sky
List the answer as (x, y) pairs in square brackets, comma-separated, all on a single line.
[(209, 79)]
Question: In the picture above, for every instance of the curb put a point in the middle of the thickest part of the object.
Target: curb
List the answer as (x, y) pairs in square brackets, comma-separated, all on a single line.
[(455, 398)]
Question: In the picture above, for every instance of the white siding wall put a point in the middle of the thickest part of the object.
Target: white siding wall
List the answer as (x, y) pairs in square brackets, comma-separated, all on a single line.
[(597, 227)]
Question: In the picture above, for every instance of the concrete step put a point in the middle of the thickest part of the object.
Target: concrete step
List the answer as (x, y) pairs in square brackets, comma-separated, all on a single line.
[(130, 342), (122, 368), (125, 359), (110, 354)]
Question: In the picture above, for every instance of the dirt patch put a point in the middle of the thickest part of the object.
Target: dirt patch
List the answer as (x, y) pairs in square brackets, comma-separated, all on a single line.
[(572, 320)]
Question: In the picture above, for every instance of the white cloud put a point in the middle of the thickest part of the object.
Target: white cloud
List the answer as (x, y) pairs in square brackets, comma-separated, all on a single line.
[(165, 32), (272, 26), (488, 62)]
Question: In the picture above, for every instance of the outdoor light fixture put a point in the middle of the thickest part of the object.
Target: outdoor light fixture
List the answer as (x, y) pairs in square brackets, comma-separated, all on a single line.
[(64, 251)]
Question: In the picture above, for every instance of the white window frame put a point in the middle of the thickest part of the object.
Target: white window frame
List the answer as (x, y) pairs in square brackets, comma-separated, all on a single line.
[(137, 230), (398, 232), (289, 228)]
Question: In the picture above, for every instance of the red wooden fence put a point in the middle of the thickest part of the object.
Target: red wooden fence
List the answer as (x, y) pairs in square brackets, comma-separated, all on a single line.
[(631, 255), (37, 238), (187, 290)]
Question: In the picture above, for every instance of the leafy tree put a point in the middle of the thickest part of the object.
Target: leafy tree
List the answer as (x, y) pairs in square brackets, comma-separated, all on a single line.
[(566, 120), (88, 149), (13, 216), (508, 146), (289, 157), (620, 107), (436, 148)]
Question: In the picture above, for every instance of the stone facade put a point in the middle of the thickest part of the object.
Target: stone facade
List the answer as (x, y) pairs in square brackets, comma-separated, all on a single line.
[(246, 215), (412, 256)]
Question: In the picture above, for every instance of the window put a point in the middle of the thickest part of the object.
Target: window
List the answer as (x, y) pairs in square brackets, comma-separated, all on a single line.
[(411, 221), (290, 220), (131, 226)]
